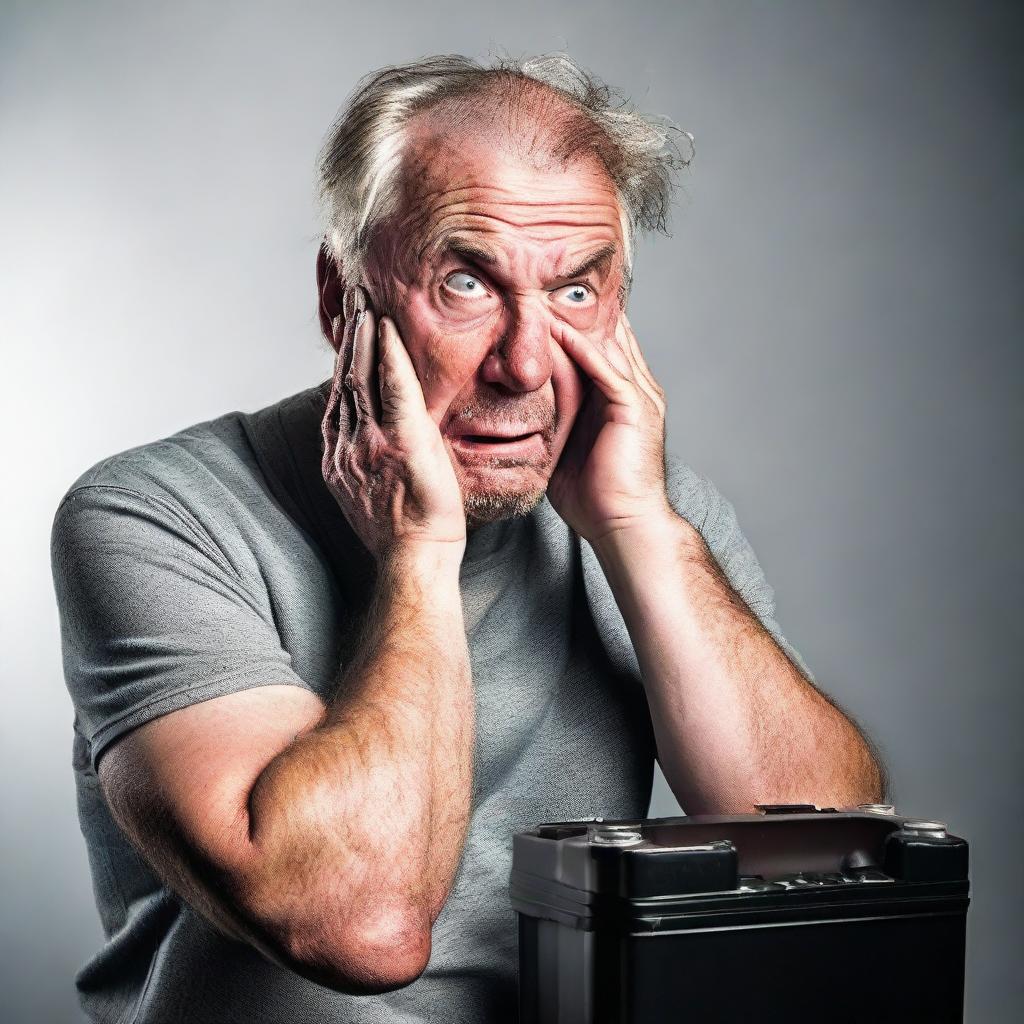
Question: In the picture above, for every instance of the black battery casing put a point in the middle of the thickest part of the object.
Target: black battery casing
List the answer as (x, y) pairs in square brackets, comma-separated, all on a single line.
[(810, 915)]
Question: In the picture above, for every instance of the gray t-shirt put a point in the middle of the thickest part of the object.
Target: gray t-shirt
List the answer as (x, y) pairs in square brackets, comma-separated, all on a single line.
[(215, 560)]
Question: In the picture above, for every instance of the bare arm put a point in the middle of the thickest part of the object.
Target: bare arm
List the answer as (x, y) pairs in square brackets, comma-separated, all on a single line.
[(357, 827), (736, 723), (329, 837), (335, 854)]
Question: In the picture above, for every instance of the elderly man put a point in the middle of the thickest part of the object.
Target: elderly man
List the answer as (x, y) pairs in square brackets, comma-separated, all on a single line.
[(328, 657)]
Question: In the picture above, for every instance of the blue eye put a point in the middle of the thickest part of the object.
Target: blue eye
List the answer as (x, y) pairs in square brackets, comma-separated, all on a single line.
[(465, 284), (577, 294)]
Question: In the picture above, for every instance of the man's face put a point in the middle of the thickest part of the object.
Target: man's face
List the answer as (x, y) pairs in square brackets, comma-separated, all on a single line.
[(488, 256)]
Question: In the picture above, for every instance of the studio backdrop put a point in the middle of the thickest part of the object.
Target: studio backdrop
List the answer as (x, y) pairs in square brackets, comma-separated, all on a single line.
[(836, 320)]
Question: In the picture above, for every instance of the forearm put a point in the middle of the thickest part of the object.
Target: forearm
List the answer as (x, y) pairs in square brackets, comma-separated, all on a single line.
[(367, 812), (736, 723)]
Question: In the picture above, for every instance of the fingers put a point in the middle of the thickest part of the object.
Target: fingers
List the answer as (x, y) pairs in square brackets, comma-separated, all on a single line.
[(337, 417), (401, 397), (341, 413), (341, 407), (335, 422), (609, 380), (375, 383), (637, 354), (641, 373), (360, 379)]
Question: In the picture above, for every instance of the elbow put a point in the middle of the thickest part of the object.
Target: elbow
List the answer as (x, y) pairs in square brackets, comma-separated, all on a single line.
[(380, 954), (338, 934)]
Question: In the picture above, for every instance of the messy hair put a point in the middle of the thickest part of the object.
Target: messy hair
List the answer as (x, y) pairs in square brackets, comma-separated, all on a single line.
[(360, 162)]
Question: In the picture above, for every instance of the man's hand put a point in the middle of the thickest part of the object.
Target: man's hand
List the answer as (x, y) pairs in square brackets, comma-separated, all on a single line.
[(611, 474), (735, 722), (383, 456)]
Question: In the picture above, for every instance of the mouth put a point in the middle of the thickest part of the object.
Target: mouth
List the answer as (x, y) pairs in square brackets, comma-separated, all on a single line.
[(494, 438), (523, 444)]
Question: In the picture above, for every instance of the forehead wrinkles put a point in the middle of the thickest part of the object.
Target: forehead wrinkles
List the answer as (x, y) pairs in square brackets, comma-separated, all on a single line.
[(504, 219), (528, 217), (452, 183)]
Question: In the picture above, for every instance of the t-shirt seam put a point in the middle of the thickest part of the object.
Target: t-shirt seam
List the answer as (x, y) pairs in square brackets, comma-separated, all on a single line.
[(180, 513), (184, 514), (101, 737), (195, 529), (478, 565)]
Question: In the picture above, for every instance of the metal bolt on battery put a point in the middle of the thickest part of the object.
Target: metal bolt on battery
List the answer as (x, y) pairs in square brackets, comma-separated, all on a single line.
[(615, 835), (877, 808), (931, 829)]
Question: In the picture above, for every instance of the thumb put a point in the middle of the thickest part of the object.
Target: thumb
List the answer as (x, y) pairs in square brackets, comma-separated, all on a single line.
[(401, 397)]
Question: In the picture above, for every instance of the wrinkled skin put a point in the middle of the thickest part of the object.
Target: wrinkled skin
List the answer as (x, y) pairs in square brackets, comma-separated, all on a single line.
[(513, 344)]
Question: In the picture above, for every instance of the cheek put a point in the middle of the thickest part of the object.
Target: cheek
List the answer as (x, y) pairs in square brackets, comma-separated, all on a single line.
[(602, 334), (446, 353), (586, 320)]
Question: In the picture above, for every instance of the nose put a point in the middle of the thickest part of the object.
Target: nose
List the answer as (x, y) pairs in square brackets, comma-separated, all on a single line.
[(521, 359)]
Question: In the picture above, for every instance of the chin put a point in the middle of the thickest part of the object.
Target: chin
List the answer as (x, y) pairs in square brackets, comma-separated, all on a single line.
[(484, 507), (497, 487)]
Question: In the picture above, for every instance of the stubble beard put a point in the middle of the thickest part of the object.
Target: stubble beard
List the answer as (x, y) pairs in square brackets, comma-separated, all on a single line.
[(483, 507), (493, 504)]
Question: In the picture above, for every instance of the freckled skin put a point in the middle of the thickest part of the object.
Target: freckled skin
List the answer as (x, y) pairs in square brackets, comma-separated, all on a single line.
[(487, 347)]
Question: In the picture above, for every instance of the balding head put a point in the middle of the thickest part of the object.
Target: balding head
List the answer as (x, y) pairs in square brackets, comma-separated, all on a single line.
[(545, 109)]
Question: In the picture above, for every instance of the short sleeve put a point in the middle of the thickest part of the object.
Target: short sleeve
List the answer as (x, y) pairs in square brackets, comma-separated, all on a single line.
[(698, 500), (153, 616)]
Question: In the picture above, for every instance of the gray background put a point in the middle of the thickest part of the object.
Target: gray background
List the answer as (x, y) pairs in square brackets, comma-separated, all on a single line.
[(835, 320)]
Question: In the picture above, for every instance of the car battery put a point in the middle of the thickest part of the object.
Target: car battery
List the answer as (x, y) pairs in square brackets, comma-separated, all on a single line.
[(795, 913)]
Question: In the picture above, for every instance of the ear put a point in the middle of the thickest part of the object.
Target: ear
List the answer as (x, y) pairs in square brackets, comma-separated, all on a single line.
[(330, 290)]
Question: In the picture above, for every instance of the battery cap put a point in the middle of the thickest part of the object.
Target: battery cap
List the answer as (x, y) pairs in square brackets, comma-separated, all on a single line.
[(615, 835), (932, 829)]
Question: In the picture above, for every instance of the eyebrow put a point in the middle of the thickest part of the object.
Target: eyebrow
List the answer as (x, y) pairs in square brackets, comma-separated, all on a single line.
[(469, 252), (594, 261), (477, 254)]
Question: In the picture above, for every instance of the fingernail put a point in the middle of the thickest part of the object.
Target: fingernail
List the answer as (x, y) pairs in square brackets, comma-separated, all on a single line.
[(359, 298), (346, 303)]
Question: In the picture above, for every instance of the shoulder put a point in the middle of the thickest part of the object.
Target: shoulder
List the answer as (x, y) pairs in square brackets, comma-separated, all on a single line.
[(185, 493), (693, 495), (173, 467)]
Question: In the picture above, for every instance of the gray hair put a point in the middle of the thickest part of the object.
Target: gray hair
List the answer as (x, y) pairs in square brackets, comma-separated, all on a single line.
[(360, 163)]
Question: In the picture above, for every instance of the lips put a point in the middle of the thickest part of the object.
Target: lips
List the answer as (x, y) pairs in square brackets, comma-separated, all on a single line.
[(481, 446), (481, 435), (493, 438)]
